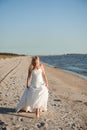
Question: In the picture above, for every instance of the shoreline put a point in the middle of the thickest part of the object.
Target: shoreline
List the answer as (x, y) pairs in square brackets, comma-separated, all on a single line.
[(74, 73), (70, 72), (10, 55)]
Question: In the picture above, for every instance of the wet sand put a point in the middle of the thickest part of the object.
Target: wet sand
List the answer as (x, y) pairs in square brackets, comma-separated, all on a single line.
[(67, 104)]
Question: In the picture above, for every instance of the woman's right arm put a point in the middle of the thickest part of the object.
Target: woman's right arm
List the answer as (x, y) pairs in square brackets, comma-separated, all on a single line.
[(29, 77)]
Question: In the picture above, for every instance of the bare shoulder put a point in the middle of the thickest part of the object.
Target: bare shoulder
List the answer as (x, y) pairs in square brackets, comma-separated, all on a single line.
[(42, 67), (30, 67)]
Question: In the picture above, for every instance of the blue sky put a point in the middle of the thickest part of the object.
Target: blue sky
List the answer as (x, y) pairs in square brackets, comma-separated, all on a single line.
[(43, 26)]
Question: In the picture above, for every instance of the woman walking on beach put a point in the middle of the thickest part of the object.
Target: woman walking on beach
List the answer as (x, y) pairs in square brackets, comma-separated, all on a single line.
[(35, 96)]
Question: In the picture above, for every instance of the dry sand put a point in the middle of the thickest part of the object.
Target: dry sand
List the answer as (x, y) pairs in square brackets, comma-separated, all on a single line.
[(67, 104)]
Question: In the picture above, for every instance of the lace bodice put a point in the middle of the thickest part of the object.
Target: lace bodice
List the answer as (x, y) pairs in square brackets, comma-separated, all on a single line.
[(37, 78)]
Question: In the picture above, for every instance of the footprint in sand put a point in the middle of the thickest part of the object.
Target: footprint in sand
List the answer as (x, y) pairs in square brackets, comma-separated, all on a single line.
[(78, 101), (57, 100), (85, 103)]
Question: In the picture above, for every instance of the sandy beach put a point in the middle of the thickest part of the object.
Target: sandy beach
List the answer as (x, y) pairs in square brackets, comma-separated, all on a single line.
[(67, 104)]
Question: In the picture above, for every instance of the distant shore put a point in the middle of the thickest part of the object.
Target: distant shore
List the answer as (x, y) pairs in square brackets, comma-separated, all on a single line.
[(9, 55)]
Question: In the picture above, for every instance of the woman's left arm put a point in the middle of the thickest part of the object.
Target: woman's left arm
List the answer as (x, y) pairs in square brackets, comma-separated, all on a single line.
[(44, 75)]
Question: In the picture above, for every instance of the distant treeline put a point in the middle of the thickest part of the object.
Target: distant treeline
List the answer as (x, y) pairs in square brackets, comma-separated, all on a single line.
[(11, 54)]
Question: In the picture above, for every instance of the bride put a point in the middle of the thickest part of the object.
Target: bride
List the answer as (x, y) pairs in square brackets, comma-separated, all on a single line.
[(35, 95)]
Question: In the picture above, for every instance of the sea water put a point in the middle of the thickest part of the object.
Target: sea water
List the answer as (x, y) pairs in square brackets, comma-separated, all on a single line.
[(75, 63)]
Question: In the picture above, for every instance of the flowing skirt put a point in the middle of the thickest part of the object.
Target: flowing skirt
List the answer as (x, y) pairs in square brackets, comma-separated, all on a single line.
[(33, 98)]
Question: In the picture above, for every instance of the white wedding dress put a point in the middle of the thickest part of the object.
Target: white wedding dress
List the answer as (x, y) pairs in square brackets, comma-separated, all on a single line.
[(36, 96)]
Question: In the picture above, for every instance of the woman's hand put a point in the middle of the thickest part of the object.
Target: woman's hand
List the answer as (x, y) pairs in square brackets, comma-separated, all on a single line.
[(27, 86), (46, 84)]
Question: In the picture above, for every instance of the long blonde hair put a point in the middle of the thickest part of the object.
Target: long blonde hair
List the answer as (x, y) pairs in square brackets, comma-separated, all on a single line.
[(33, 64), (33, 60)]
